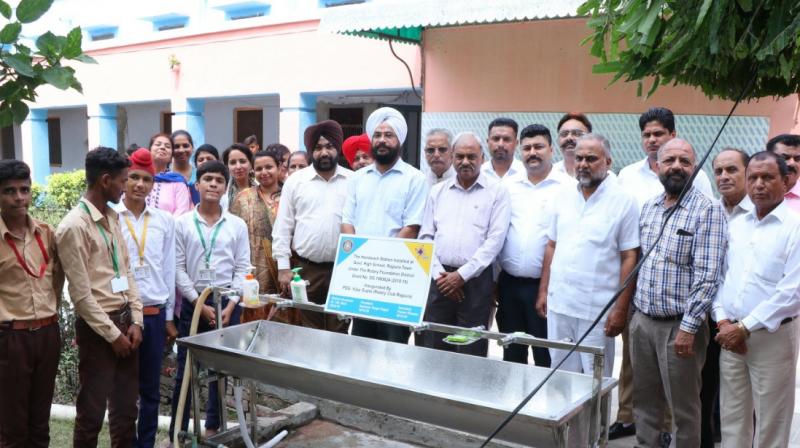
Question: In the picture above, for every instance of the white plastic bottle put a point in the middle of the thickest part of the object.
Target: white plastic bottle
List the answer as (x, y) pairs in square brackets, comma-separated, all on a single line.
[(250, 289), (298, 286)]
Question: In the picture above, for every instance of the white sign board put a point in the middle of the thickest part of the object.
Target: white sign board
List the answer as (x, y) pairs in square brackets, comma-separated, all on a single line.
[(381, 278)]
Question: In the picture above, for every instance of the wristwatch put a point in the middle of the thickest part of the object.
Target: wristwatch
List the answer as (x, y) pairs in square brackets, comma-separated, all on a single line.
[(139, 324), (743, 328)]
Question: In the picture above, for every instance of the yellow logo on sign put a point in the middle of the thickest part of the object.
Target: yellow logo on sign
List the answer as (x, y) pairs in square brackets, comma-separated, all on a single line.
[(422, 252)]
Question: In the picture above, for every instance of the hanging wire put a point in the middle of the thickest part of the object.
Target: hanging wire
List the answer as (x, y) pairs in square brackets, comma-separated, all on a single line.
[(633, 273)]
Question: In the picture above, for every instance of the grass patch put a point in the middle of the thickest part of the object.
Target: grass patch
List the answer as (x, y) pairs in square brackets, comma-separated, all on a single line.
[(61, 434)]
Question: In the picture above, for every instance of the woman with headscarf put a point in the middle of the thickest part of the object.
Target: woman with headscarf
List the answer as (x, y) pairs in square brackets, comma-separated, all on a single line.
[(170, 192), (258, 207)]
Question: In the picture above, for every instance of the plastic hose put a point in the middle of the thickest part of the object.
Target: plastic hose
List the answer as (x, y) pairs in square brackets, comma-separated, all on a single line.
[(187, 371), (237, 395), (274, 441)]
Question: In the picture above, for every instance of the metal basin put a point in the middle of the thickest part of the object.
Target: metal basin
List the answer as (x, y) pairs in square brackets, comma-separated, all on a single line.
[(455, 391)]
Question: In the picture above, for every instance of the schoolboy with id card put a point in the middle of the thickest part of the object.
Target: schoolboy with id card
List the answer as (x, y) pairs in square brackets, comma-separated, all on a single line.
[(212, 249)]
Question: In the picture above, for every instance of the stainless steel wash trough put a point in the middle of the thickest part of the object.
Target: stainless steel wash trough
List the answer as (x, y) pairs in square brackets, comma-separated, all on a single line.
[(461, 392)]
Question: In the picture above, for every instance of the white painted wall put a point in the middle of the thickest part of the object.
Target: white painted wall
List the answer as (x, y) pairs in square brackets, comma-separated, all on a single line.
[(219, 119), (74, 138), (143, 121)]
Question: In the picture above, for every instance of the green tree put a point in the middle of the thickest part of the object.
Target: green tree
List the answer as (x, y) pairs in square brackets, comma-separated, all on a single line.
[(23, 69), (718, 46)]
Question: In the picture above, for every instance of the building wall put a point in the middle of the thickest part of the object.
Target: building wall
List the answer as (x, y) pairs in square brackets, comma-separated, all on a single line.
[(74, 138), (541, 67), (142, 122), (219, 118)]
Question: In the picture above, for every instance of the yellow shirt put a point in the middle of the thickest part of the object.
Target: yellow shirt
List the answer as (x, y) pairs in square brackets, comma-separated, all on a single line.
[(23, 297), (86, 260)]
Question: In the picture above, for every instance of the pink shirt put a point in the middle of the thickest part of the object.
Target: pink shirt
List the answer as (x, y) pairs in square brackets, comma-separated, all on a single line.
[(172, 197), (793, 197)]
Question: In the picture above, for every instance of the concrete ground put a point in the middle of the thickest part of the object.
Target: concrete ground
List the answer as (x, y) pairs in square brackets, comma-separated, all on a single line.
[(324, 434)]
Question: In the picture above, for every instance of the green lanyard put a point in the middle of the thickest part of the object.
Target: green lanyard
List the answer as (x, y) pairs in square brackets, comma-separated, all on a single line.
[(208, 250), (113, 247)]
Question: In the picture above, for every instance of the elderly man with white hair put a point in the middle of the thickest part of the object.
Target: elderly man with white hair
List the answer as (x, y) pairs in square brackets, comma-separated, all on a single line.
[(467, 216), (385, 199)]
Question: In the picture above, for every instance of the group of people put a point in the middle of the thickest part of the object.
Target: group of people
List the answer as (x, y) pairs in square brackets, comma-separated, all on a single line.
[(543, 245)]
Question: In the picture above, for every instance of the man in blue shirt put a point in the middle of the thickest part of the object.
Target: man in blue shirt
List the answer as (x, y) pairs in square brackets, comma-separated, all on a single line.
[(385, 199)]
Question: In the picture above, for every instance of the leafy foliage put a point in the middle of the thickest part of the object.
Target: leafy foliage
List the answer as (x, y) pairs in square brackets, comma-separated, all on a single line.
[(716, 45), (65, 189), (23, 69)]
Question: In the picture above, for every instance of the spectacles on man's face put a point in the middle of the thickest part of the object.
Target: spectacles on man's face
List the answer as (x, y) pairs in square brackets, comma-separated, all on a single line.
[(573, 132), (431, 150)]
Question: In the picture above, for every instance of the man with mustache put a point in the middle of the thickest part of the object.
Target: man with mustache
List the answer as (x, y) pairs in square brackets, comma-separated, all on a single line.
[(439, 156), (357, 150), (306, 231), (676, 284), (149, 234), (108, 326), (29, 335), (523, 250), (502, 143), (570, 128), (640, 179), (787, 146), (385, 199), (757, 308), (467, 217), (593, 244)]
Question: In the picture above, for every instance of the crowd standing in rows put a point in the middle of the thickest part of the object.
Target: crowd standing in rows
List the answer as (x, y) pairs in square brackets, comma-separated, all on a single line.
[(543, 245)]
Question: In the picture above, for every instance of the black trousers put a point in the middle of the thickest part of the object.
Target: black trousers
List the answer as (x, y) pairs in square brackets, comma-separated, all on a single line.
[(709, 393), (517, 312), (470, 312)]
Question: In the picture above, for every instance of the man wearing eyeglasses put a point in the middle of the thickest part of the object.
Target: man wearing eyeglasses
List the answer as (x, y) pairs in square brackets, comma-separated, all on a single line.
[(571, 127), (787, 146), (439, 156), (640, 179)]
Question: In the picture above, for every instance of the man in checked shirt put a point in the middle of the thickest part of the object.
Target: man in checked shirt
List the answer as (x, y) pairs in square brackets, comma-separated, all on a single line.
[(676, 286)]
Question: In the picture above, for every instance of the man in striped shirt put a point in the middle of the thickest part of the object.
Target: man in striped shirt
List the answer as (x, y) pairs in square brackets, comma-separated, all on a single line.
[(676, 286)]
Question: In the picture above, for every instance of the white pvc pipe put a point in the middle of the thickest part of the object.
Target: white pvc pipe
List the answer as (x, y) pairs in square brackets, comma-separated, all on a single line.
[(275, 440), (237, 396)]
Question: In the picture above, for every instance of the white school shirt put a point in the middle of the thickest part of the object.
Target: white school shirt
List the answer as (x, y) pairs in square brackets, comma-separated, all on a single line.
[(230, 256), (523, 249), (589, 236), (762, 277), (159, 255), (309, 216), (467, 225)]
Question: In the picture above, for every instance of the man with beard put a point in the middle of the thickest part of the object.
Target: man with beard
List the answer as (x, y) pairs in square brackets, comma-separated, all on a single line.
[(676, 284), (787, 146), (467, 217), (757, 309), (641, 180), (306, 230), (385, 199), (570, 128), (502, 143), (108, 326), (523, 250), (593, 244), (439, 156)]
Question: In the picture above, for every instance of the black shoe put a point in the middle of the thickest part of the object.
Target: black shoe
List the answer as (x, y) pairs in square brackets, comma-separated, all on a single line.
[(619, 430), (666, 439)]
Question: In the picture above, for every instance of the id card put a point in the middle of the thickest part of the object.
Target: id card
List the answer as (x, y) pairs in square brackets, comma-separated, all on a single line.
[(207, 275), (119, 284), (141, 272)]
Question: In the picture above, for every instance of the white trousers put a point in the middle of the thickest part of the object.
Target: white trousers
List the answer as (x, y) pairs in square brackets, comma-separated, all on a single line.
[(561, 327), (761, 380)]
